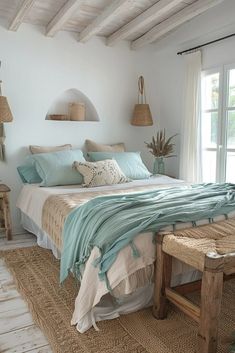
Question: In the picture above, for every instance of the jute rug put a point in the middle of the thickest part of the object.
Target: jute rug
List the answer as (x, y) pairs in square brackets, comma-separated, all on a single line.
[(36, 273)]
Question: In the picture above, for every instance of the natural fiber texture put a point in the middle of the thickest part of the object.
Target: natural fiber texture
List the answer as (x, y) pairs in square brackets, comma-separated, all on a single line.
[(36, 273), (142, 115), (5, 111), (57, 207), (92, 146), (47, 149), (191, 245), (77, 111)]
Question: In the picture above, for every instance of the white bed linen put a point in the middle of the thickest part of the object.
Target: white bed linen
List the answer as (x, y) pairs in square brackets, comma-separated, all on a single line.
[(43, 240)]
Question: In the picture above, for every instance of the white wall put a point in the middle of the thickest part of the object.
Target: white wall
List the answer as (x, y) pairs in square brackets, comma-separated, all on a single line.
[(169, 68), (36, 69)]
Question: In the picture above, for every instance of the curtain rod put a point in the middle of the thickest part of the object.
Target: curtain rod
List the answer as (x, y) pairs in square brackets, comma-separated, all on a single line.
[(205, 44)]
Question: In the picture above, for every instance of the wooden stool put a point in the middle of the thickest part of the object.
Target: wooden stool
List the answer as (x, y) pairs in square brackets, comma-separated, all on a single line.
[(211, 250), (5, 209)]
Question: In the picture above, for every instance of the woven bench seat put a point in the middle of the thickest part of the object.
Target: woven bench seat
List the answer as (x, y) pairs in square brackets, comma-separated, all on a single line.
[(191, 245), (209, 249)]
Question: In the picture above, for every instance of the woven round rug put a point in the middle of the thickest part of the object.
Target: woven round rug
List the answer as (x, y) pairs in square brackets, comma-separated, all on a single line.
[(36, 273)]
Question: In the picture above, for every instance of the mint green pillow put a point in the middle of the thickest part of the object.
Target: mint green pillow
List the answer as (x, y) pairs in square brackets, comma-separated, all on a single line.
[(130, 163), (55, 168), (28, 173)]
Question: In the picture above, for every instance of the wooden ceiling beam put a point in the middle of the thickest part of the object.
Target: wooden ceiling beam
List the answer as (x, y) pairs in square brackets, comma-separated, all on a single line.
[(151, 14), (21, 14), (174, 21), (64, 14), (103, 19)]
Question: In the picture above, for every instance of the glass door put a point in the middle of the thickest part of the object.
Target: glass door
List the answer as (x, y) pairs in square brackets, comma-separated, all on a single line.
[(230, 118)]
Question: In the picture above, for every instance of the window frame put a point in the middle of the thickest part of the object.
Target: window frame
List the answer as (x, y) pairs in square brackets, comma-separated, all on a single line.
[(223, 108), (226, 109), (216, 149)]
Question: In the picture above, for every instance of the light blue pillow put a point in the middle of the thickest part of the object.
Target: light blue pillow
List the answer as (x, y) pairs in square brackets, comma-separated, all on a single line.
[(28, 173), (130, 163), (55, 168)]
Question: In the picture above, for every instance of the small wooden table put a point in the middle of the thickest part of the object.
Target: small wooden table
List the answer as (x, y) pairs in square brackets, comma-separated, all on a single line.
[(5, 210)]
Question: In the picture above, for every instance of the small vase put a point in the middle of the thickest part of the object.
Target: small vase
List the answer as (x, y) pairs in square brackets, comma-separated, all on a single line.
[(158, 166)]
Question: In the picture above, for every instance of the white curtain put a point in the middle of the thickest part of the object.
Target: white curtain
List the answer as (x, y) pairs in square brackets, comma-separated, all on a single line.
[(190, 156)]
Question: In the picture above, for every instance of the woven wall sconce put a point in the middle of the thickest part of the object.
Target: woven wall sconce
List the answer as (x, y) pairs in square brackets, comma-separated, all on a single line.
[(5, 117), (5, 111), (142, 114)]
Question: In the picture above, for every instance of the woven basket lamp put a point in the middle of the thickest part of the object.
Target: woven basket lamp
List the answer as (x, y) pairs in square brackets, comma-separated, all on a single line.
[(5, 117), (5, 111), (142, 114)]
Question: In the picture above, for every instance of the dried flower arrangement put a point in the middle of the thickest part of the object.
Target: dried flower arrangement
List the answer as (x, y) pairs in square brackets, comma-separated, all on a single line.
[(160, 146)]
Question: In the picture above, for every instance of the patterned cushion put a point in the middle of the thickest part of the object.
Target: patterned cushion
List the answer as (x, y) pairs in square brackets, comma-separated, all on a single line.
[(100, 173)]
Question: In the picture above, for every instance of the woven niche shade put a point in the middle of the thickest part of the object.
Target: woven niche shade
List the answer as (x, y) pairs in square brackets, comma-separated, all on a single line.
[(142, 114), (5, 111)]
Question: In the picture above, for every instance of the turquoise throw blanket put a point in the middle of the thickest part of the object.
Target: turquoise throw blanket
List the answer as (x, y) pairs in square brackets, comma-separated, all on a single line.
[(111, 222)]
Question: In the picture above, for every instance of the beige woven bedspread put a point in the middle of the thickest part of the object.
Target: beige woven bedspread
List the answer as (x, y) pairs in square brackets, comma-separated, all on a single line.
[(57, 207)]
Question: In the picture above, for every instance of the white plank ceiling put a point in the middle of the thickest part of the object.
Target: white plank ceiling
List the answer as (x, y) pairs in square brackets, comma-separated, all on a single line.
[(139, 21)]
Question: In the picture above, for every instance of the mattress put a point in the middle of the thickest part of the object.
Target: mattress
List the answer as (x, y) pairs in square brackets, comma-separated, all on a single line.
[(127, 276)]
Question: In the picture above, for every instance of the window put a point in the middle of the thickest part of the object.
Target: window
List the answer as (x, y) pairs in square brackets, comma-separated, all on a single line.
[(218, 125)]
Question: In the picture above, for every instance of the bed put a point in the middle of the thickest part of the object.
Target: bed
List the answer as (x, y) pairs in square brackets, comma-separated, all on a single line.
[(43, 213), (133, 279)]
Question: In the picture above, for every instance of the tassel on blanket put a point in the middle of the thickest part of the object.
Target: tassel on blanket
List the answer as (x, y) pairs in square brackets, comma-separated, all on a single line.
[(135, 251)]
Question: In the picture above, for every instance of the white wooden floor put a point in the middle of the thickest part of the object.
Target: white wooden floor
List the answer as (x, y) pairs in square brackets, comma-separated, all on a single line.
[(18, 333)]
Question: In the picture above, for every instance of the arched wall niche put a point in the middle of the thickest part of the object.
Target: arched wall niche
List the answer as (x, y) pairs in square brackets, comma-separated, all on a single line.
[(59, 109)]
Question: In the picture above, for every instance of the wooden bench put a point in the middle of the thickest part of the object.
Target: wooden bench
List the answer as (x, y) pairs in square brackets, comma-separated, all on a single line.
[(209, 249)]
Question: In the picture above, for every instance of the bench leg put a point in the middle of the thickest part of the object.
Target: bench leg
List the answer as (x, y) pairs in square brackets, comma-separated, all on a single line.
[(163, 269), (211, 297)]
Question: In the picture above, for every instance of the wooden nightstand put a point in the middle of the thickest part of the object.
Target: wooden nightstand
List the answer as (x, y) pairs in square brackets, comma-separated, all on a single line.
[(5, 210)]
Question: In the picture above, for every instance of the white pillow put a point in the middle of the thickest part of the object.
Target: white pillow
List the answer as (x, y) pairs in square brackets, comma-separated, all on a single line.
[(100, 173)]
